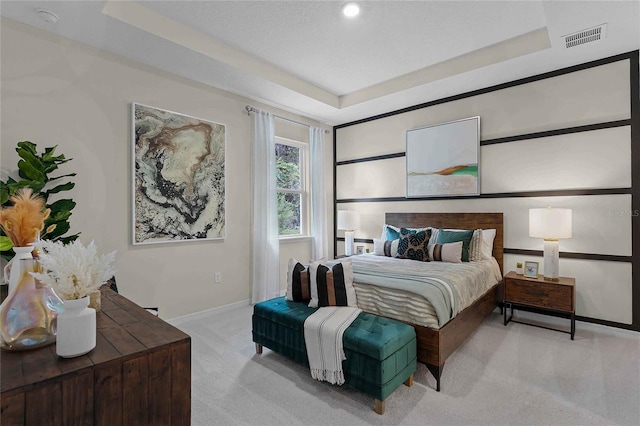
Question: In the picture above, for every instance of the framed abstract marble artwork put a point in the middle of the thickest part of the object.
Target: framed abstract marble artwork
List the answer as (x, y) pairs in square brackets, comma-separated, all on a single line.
[(178, 177)]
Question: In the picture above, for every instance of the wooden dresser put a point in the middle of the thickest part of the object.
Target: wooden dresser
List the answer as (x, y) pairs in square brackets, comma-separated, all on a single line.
[(138, 374)]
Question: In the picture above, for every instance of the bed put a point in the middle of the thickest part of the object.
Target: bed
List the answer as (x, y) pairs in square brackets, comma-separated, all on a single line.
[(437, 341)]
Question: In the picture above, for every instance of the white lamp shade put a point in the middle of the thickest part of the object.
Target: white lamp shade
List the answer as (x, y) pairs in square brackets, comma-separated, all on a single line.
[(549, 223), (348, 220)]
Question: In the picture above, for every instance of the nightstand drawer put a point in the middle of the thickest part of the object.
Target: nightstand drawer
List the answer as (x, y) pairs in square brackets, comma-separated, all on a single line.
[(540, 294)]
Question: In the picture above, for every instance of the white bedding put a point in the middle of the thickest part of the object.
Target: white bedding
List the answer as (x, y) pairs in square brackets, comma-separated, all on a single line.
[(467, 281)]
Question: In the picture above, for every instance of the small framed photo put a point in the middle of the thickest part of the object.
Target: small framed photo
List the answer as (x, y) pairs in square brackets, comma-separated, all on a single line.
[(359, 249), (531, 269)]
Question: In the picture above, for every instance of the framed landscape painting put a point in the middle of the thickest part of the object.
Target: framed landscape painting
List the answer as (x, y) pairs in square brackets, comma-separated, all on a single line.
[(178, 177), (443, 160)]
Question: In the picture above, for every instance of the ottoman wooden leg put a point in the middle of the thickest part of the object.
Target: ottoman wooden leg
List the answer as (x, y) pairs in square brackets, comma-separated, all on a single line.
[(258, 348), (378, 406), (409, 381)]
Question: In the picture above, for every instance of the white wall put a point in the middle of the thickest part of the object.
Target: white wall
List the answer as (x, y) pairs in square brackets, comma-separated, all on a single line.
[(596, 159), (59, 92)]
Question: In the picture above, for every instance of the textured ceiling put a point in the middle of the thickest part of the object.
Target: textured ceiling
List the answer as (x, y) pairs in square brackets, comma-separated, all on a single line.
[(304, 57), (313, 41)]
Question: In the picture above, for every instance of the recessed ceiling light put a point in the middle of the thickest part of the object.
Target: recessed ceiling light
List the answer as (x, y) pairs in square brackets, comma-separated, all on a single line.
[(350, 10)]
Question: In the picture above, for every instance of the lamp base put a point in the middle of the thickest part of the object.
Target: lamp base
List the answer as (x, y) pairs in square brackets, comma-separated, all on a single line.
[(551, 260), (348, 243)]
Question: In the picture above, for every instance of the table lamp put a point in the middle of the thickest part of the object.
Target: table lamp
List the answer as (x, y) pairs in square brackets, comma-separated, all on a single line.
[(348, 221), (550, 224)]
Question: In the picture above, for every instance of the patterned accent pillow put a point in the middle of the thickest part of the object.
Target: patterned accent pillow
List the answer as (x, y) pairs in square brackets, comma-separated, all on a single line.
[(445, 236), (390, 232), (332, 286), (450, 252), (475, 247), (414, 244), (298, 286), (385, 248)]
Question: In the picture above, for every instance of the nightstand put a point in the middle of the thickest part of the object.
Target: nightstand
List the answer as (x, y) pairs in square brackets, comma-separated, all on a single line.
[(553, 296)]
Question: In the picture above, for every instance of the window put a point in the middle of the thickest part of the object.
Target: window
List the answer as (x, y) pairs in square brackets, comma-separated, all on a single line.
[(291, 176)]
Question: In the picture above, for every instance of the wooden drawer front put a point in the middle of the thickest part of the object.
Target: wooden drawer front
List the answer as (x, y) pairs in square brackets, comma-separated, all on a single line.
[(543, 295)]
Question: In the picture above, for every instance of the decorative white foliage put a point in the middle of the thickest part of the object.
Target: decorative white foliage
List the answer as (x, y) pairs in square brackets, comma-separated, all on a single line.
[(73, 270)]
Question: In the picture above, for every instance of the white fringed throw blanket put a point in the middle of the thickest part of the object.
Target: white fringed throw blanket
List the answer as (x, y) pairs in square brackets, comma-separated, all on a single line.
[(323, 332)]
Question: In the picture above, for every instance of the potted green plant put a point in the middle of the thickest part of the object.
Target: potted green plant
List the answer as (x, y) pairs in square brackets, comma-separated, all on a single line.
[(35, 171), (519, 268)]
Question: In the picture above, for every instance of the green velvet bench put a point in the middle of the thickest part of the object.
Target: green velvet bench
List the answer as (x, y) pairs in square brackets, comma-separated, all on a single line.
[(381, 353)]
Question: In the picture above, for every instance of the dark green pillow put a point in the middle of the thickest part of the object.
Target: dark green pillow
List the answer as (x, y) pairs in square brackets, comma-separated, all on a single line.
[(455, 236)]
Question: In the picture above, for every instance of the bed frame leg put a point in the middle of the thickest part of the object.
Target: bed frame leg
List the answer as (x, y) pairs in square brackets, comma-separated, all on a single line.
[(258, 348), (437, 373), (378, 406), (409, 381)]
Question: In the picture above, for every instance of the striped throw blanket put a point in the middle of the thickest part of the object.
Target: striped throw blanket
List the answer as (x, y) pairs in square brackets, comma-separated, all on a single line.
[(323, 332)]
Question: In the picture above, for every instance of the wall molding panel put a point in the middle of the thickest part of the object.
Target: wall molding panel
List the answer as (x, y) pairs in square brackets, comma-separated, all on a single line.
[(567, 138)]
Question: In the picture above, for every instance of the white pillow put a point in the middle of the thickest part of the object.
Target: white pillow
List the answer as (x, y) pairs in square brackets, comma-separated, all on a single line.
[(332, 286), (448, 252), (385, 248), (488, 235), (383, 236)]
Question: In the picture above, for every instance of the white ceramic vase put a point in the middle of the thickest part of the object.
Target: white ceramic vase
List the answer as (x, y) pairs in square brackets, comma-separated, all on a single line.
[(76, 328), (14, 268)]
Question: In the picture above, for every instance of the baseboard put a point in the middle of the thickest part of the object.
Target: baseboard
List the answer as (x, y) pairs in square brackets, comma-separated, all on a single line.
[(218, 309)]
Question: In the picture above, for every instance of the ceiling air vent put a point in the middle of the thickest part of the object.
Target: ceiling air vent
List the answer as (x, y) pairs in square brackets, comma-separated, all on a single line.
[(589, 35)]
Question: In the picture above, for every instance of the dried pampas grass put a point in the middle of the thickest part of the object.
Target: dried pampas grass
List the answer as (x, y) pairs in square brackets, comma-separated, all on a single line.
[(25, 219)]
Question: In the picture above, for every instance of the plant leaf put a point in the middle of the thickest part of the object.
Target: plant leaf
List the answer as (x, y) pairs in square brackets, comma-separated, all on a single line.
[(4, 193), (30, 167), (61, 205), (28, 146), (64, 187), (5, 243), (69, 239), (62, 176), (57, 217), (36, 186), (48, 152), (61, 228)]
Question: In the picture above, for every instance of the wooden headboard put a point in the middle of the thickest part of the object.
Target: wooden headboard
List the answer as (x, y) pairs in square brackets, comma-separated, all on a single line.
[(455, 221)]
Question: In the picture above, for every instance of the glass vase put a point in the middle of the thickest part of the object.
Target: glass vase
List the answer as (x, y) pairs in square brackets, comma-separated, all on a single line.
[(13, 269), (28, 316)]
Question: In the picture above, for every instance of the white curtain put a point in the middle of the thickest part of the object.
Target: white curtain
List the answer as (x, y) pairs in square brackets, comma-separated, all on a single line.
[(318, 206), (265, 258)]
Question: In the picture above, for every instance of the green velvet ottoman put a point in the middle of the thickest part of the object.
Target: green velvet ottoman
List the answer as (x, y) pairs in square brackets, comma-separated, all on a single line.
[(381, 353)]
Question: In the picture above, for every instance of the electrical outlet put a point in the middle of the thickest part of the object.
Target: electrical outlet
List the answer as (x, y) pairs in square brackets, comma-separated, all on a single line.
[(218, 277)]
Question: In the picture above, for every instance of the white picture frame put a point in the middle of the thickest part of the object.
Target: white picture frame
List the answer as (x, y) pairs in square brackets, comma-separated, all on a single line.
[(531, 269), (443, 160), (177, 177)]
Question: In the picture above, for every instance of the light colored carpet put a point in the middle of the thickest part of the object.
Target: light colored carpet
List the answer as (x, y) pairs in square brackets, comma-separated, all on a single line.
[(502, 375)]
